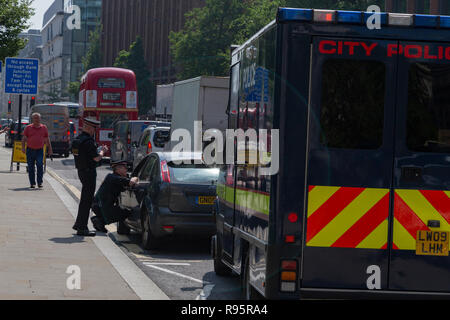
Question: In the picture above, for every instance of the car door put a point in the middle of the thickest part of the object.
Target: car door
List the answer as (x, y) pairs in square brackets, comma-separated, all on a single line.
[(419, 257), (350, 157), (137, 193), (125, 196)]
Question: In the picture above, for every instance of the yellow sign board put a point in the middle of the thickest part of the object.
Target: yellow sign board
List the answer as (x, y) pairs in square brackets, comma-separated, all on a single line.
[(18, 156)]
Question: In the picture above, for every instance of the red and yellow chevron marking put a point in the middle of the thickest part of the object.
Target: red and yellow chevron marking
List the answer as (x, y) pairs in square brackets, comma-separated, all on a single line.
[(347, 217), (413, 209)]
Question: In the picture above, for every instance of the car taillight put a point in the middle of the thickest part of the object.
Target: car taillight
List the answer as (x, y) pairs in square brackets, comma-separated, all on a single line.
[(165, 171), (68, 133), (129, 139), (13, 132), (149, 147), (288, 277)]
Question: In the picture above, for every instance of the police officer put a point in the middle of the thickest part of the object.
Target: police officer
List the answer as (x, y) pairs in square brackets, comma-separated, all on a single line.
[(106, 206), (87, 159)]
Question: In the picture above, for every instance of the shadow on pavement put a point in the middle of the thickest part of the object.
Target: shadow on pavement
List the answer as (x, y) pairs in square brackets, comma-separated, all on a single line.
[(23, 189), (73, 239), (69, 162)]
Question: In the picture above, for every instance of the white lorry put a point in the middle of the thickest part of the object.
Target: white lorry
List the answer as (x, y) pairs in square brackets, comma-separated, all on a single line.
[(202, 99)]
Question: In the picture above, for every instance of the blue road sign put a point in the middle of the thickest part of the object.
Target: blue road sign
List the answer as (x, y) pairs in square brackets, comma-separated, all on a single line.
[(21, 76)]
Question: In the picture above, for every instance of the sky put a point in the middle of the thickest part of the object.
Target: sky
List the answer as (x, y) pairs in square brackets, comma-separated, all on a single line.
[(40, 7)]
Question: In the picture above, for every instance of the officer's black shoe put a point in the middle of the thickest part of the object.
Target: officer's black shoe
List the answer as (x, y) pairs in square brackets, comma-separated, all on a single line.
[(98, 225), (86, 233)]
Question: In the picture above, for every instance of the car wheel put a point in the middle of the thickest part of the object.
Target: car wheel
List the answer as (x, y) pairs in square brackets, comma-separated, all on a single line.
[(122, 228), (249, 292), (66, 155), (219, 267), (149, 241)]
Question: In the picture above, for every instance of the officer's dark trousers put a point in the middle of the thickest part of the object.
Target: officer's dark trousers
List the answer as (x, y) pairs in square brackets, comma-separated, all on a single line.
[(88, 180)]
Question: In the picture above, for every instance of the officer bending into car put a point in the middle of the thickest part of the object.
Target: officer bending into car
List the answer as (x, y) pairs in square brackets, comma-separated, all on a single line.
[(106, 206), (87, 159)]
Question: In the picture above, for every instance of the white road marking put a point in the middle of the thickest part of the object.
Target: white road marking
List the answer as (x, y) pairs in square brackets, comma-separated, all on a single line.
[(173, 272), (205, 292), (167, 263)]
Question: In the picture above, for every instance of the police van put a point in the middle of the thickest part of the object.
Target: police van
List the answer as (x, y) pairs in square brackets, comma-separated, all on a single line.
[(360, 205)]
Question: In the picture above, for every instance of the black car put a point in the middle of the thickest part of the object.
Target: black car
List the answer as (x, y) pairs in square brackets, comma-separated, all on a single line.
[(11, 133), (171, 198)]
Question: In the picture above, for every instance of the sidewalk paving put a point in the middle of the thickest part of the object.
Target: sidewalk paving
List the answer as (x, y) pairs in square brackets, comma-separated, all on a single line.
[(37, 245)]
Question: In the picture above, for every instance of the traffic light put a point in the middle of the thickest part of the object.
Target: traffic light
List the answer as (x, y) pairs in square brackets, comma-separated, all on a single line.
[(9, 106), (33, 101)]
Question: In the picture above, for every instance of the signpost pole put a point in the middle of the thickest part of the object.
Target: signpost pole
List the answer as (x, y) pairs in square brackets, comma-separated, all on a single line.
[(20, 125)]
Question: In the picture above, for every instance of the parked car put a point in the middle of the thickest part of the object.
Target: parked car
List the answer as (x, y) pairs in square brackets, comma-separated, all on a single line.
[(11, 133), (4, 123), (170, 198), (126, 134), (153, 139)]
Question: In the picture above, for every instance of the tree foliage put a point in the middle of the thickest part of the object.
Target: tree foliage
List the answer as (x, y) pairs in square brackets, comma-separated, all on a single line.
[(94, 55), (202, 47), (134, 59), (14, 16)]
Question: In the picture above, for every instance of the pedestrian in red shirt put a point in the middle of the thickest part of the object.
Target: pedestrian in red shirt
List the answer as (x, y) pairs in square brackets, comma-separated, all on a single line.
[(35, 136)]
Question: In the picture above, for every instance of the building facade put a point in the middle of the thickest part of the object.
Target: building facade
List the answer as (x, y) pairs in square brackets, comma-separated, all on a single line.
[(153, 20), (65, 35), (91, 11)]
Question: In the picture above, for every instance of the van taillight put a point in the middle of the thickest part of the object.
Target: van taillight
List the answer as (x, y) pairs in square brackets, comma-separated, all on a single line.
[(149, 147), (165, 171), (288, 276)]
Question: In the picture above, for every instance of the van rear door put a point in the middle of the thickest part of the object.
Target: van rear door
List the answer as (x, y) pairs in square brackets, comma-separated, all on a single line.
[(350, 158), (419, 258)]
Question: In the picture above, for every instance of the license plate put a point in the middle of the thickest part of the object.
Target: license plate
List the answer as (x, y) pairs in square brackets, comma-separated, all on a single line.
[(205, 200), (432, 243)]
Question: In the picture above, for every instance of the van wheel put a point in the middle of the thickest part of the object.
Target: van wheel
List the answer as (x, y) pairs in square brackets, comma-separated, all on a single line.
[(122, 228), (149, 241), (219, 267), (247, 289)]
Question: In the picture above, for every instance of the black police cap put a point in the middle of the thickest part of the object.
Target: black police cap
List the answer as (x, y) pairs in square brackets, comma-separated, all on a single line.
[(118, 163)]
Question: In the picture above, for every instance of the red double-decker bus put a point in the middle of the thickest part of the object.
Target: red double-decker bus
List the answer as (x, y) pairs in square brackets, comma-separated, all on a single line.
[(108, 95)]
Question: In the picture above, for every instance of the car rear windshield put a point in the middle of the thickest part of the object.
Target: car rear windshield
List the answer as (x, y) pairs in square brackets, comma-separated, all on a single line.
[(160, 138), (193, 174)]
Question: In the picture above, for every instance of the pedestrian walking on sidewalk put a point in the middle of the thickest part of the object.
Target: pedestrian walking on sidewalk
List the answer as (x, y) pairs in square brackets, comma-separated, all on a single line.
[(35, 136), (106, 206), (87, 159)]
